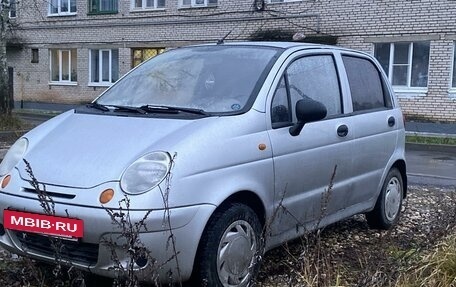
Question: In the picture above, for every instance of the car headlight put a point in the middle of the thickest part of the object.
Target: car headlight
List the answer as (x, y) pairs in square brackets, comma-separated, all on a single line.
[(13, 156), (145, 173)]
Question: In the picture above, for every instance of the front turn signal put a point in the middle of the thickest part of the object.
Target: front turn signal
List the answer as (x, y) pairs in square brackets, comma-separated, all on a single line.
[(106, 196), (6, 180)]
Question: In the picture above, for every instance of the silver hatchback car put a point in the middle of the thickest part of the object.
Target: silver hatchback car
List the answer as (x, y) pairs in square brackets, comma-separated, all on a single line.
[(223, 151)]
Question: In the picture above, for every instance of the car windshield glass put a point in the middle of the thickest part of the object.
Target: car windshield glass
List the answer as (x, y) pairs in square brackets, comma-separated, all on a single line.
[(214, 79)]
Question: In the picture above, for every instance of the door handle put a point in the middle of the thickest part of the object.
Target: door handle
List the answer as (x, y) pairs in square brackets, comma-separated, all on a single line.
[(342, 130), (391, 121)]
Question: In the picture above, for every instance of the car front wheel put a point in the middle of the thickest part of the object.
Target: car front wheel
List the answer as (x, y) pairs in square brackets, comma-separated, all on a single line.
[(229, 248)]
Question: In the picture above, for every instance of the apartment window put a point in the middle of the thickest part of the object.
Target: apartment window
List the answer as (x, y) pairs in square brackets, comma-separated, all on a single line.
[(35, 56), (143, 54), (197, 3), (453, 82), (102, 6), (62, 7), (147, 4), (12, 11), (281, 1), (406, 64), (63, 65), (104, 66)]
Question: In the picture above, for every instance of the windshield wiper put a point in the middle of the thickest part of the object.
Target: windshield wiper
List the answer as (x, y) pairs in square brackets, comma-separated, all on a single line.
[(146, 109), (168, 109), (98, 107), (105, 108), (129, 109)]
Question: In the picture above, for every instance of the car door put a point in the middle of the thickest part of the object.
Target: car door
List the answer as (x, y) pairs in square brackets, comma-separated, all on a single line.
[(375, 125), (304, 164)]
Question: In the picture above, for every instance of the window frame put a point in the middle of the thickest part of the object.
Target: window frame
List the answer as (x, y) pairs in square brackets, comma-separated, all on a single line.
[(142, 49), (68, 82), (194, 5), (101, 83), (143, 7), (98, 12), (339, 81), (59, 7), (284, 74), (133, 8), (388, 101), (452, 84), (405, 89), (281, 1), (13, 3), (35, 56), (278, 125)]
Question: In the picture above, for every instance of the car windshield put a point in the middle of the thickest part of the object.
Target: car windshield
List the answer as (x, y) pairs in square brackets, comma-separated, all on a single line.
[(213, 79)]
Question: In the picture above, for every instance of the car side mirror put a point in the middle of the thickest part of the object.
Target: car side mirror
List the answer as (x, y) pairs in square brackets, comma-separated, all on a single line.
[(307, 110)]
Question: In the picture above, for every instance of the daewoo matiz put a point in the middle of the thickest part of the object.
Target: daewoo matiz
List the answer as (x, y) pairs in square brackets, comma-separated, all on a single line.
[(220, 138)]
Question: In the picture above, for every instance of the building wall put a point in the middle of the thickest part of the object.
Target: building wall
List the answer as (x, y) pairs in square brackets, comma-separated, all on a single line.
[(358, 24)]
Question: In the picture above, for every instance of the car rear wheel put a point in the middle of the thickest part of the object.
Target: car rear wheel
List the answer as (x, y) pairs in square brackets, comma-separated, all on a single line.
[(388, 207), (229, 248)]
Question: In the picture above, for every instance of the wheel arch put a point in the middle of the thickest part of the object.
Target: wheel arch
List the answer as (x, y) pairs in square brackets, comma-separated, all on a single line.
[(245, 197), (250, 199), (401, 166)]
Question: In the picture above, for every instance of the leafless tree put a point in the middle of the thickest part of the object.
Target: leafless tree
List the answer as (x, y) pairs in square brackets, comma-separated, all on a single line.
[(6, 101)]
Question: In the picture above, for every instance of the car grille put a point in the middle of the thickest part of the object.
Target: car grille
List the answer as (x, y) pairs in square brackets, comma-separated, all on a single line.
[(73, 251)]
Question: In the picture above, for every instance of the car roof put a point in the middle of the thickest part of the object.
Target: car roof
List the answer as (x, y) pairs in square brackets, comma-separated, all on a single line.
[(284, 45)]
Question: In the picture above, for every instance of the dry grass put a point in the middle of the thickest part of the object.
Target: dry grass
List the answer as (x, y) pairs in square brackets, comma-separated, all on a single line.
[(349, 253), (436, 268), (10, 123)]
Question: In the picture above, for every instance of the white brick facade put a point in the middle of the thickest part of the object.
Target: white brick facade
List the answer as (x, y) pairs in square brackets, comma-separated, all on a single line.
[(357, 24)]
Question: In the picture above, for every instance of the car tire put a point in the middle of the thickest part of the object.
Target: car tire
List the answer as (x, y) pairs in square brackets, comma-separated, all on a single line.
[(229, 248), (389, 203)]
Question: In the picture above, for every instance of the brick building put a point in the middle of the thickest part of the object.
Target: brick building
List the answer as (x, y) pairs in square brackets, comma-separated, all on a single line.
[(69, 51)]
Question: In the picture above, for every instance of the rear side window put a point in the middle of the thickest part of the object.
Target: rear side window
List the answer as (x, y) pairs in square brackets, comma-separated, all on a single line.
[(366, 85)]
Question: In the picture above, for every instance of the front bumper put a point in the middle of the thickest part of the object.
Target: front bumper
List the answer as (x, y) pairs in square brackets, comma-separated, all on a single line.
[(104, 246)]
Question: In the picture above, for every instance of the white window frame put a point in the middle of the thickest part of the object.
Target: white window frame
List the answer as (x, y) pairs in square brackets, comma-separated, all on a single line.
[(452, 90), (100, 83), (406, 90), (61, 81), (409, 64), (282, 1), (144, 7), (98, 9), (195, 5), (59, 9)]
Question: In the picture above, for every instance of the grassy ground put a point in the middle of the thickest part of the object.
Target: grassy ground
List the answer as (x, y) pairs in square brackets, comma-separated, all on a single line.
[(12, 123), (431, 140), (8, 123), (349, 253)]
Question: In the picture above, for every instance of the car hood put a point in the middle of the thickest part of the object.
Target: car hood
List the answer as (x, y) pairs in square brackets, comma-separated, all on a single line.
[(83, 151)]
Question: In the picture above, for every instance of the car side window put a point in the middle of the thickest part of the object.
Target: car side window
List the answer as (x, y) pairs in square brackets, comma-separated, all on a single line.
[(366, 85), (315, 77), (280, 107)]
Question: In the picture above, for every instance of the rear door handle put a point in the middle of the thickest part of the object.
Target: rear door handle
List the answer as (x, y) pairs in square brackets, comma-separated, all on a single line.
[(391, 121), (342, 130)]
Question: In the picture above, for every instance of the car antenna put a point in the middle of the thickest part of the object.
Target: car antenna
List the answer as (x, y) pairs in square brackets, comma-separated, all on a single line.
[(221, 41)]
